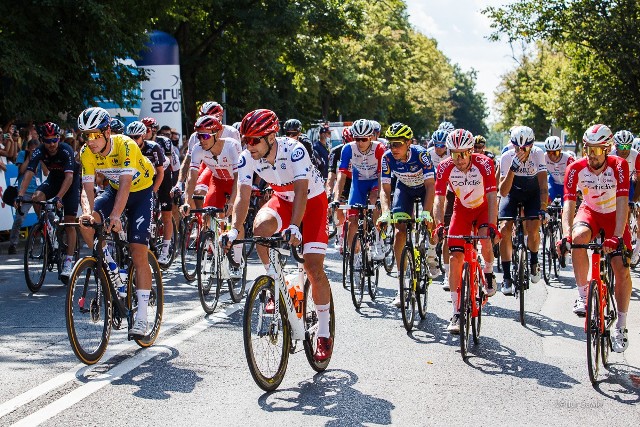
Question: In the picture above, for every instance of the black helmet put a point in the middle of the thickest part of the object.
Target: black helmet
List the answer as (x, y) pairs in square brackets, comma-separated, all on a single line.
[(292, 125), (117, 126)]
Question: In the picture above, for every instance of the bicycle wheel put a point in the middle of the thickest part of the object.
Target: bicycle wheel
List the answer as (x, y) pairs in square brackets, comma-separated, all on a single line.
[(206, 271), (372, 280), (357, 269), (465, 310), (311, 326), (36, 255), (159, 242), (236, 286), (556, 236), (594, 338), (346, 250), (407, 278), (422, 290), (189, 248), (389, 253), (332, 228), (156, 300), (546, 254), (609, 317), (522, 280), (88, 311), (476, 322), (63, 242), (248, 231), (266, 337)]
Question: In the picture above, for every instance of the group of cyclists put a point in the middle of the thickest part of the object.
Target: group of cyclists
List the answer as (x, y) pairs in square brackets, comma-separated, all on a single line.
[(462, 189)]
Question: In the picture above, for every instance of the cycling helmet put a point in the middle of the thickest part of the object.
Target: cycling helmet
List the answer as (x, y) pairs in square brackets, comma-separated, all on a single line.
[(598, 135), (636, 144), (347, 136), (361, 128), (480, 140), (459, 140), (116, 126), (399, 130), (521, 136), (623, 137), (439, 137), (446, 126), (49, 130), (259, 123), (376, 126), (292, 125), (236, 125), (136, 128), (207, 124), (94, 119), (552, 143), (211, 108), (150, 122)]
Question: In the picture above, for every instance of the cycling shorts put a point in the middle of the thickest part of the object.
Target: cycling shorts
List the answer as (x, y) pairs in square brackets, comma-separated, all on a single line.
[(71, 199), (217, 192), (165, 200), (314, 221), (138, 211), (360, 189), (529, 199), (555, 191), (597, 221), (462, 220), (404, 196)]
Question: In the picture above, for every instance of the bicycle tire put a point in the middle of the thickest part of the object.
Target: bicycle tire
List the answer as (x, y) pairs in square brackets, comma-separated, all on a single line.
[(389, 255), (422, 290), (406, 277), (609, 316), (465, 310), (159, 242), (189, 244), (557, 236), (522, 278), (476, 322), (236, 286), (268, 336), (206, 272), (311, 321), (346, 250), (546, 254), (357, 272), (36, 255), (88, 347), (155, 307), (248, 231), (332, 229), (593, 325), (62, 251)]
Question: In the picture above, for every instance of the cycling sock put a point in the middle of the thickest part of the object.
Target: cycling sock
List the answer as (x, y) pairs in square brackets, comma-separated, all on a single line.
[(534, 258), (488, 268), (165, 248), (489, 277), (69, 257), (454, 301), (622, 320), (323, 320), (582, 290), (143, 302), (237, 253), (506, 270)]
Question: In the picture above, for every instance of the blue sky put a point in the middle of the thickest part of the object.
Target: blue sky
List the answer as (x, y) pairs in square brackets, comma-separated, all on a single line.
[(461, 30)]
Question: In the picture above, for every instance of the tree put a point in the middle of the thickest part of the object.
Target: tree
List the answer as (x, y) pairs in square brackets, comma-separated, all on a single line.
[(470, 107)]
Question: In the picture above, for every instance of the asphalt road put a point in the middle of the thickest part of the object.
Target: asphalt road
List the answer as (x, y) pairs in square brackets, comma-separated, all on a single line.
[(197, 374)]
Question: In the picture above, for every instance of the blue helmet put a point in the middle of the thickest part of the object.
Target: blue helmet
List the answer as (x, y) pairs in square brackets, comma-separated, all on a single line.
[(117, 126), (439, 137)]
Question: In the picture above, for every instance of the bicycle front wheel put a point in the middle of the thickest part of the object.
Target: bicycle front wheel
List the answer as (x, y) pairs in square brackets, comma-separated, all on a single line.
[(357, 267), (311, 326), (465, 309), (237, 286), (36, 255), (594, 338), (546, 253), (389, 253), (156, 300), (476, 322), (422, 289), (522, 281), (88, 311), (208, 285), (266, 337), (189, 248), (407, 276), (346, 257)]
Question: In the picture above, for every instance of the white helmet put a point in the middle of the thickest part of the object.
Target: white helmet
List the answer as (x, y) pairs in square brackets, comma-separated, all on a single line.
[(552, 143), (136, 128), (636, 144), (522, 136), (623, 137), (446, 126), (94, 119), (460, 139), (598, 135), (361, 128)]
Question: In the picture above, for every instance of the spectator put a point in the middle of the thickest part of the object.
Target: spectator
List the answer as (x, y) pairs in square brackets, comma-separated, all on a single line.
[(165, 131), (70, 138), (321, 149)]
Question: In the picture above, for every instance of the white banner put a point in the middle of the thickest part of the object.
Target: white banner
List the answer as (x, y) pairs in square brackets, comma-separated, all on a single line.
[(162, 95)]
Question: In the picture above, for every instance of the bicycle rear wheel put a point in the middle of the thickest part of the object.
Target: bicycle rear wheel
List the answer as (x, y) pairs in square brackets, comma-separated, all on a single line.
[(156, 300), (594, 338), (206, 271), (546, 254), (189, 248), (36, 256), (237, 286), (357, 267), (465, 310), (267, 339), (557, 235), (522, 280), (346, 257), (311, 326), (88, 311), (159, 242), (406, 276), (372, 281)]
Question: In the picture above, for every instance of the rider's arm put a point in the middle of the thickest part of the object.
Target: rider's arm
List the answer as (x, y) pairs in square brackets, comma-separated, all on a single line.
[(340, 183), (88, 199), (429, 185), (66, 183), (507, 175), (385, 197), (438, 209), (301, 190), (492, 200), (544, 189), (191, 185), (331, 180), (159, 177), (184, 168), (234, 193), (636, 190), (622, 214), (241, 206)]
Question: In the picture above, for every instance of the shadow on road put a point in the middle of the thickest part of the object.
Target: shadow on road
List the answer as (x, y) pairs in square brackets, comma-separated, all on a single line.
[(621, 383), (330, 394)]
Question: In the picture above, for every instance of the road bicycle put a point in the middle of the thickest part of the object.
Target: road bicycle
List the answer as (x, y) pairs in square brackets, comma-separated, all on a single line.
[(258, 195), (95, 303), (46, 246), (190, 242), (276, 320), (156, 242), (551, 233), (634, 211)]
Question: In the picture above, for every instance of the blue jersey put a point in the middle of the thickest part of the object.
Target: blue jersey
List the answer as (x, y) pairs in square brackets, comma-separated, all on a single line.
[(411, 173)]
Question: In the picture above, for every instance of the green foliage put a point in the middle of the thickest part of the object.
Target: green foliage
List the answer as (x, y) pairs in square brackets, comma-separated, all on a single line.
[(470, 107)]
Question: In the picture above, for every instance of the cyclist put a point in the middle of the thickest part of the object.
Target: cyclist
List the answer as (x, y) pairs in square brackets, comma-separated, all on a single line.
[(137, 130), (603, 180), (479, 148), (377, 129), (557, 162), (293, 129), (472, 178), (62, 184), (363, 156), (623, 140), (523, 179), (334, 159), (218, 157), (413, 168), (117, 127), (298, 200), (446, 126), (130, 178)]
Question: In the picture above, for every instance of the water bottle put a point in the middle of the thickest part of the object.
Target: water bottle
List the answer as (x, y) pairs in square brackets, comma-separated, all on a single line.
[(124, 279), (114, 274), (294, 286), (51, 234)]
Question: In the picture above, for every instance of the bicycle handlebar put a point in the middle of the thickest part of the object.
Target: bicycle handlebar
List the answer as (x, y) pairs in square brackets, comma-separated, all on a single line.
[(271, 242)]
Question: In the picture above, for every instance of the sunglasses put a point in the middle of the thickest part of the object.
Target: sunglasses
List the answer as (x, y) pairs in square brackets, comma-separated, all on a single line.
[(455, 155), (554, 152), (396, 144), (365, 139), (595, 151), (207, 136), (525, 148), (251, 141), (623, 146), (51, 140), (439, 145), (93, 135)]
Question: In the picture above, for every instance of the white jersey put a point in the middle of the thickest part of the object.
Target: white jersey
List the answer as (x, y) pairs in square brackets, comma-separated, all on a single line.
[(222, 166), (535, 163), (557, 169), (633, 159), (292, 164), (227, 132), (435, 159)]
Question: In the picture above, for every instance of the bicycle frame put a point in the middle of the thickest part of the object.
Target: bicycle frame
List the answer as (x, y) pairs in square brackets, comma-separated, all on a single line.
[(298, 332), (471, 257)]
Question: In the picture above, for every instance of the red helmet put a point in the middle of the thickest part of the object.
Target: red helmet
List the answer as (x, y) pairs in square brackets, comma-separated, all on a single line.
[(347, 136), (211, 108), (150, 122), (207, 124), (259, 123), (49, 130)]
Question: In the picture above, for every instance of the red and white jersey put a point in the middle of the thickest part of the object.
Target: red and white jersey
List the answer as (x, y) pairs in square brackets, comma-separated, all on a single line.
[(223, 166), (599, 191), (556, 170), (227, 132), (471, 187), (292, 164), (633, 159), (435, 158)]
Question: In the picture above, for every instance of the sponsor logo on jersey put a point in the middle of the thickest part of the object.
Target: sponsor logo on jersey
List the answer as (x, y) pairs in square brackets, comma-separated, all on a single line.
[(297, 154)]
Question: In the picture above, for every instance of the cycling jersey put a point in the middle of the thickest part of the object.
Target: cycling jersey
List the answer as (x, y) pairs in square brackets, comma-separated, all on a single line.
[(599, 192), (364, 166), (124, 158), (526, 176), (435, 158), (154, 153), (334, 159), (223, 166), (167, 148), (292, 163), (412, 172), (556, 170), (633, 159), (227, 132), (470, 187), (58, 164)]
